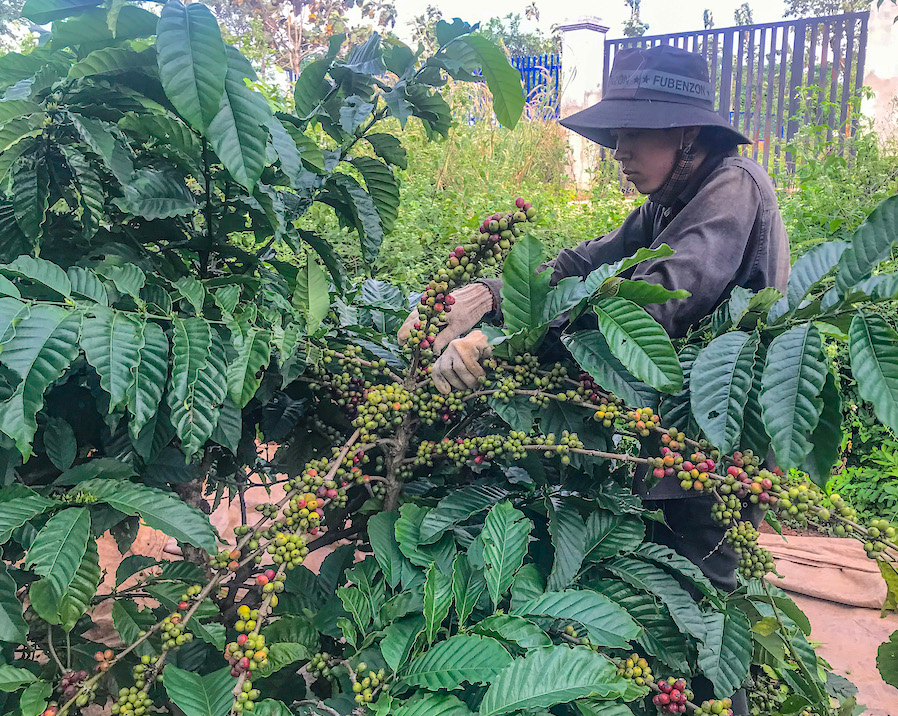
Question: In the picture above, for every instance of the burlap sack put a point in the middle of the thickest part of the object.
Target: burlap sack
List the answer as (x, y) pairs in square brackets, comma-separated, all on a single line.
[(834, 569)]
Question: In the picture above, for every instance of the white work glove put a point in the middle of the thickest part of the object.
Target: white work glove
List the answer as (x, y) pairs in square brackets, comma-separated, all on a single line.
[(459, 367), (471, 304)]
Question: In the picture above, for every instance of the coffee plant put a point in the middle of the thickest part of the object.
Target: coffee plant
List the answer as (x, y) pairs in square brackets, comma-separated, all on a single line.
[(168, 335)]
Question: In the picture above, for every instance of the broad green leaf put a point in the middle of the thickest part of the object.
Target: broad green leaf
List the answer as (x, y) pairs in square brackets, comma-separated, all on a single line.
[(549, 676), (886, 660), (44, 345), (60, 443), (870, 244), (164, 128), (383, 188), (457, 507), (193, 61), (33, 700), (45, 11), (791, 399), (57, 550), (196, 695), (279, 656), (639, 343), (161, 510), (399, 637), (358, 210), (86, 284), (128, 278), (244, 372), (311, 87), (382, 535), (145, 393), (15, 108), (608, 534), (12, 678), (13, 628), (106, 467), (517, 411), (641, 292), (81, 591), (110, 59), (129, 619), (18, 510), (461, 658), (112, 341), (564, 296), (669, 559), (718, 398), (725, 655), (30, 191), (389, 148), (294, 629), (12, 312), (605, 622), (593, 354), (239, 131), (512, 628), (41, 272), (198, 385), (524, 292), (357, 605), (873, 347), (593, 707), (103, 140), (505, 536), (408, 535), (437, 599), (89, 187), (827, 436), (8, 288), (503, 80), (311, 297), (568, 532), (653, 579), (192, 291), (529, 583), (754, 434), (433, 705), (809, 268), (660, 636), (155, 194), (467, 586)]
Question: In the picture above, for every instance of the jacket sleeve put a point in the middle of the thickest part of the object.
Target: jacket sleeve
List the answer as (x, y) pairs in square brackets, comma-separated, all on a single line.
[(634, 233), (710, 237)]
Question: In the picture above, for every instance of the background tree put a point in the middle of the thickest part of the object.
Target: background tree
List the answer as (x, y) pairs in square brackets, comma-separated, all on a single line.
[(634, 26), (708, 18), (814, 8), (507, 30), (744, 15)]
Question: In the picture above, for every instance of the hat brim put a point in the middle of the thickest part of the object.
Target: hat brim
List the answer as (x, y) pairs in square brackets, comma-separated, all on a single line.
[(596, 122)]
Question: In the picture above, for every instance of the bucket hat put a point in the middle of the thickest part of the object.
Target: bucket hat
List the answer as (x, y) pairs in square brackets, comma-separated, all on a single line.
[(652, 88)]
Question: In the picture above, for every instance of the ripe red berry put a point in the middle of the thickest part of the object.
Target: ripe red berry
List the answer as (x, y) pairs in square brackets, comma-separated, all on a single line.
[(262, 580), (241, 639), (459, 251), (527, 206), (519, 202), (183, 605)]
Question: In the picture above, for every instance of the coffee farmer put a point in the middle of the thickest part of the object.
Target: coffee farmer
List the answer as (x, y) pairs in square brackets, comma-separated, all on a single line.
[(717, 210)]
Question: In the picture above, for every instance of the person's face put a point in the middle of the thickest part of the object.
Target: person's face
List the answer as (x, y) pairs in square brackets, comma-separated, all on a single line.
[(648, 156)]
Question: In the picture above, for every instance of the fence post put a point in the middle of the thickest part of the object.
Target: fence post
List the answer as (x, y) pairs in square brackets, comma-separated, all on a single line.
[(582, 70), (881, 69)]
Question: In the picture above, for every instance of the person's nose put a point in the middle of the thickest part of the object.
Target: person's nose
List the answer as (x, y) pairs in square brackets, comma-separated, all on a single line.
[(622, 151)]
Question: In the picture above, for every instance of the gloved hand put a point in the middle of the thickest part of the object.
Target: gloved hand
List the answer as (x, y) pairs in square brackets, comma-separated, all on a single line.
[(472, 302), (459, 367)]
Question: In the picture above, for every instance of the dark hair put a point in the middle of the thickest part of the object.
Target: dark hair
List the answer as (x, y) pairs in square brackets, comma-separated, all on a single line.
[(717, 140)]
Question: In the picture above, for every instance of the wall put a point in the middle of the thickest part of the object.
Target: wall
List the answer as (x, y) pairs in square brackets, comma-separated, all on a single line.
[(582, 64), (882, 67)]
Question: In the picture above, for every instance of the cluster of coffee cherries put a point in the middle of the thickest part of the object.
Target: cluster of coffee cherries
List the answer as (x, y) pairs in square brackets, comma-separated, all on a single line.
[(245, 696), (714, 707), (268, 509), (132, 701), (173, 633), (697, 473), (103, 659), (382, 409), (365, 686), (669, 464), (319, 665), (642, 421), (289, 549), (608, 412), (70, 683), (754, 560), (673, 696), (248, 651), (878, 533), (432, 407), (226, 559), (306, 510), (636, 668), (480, 449), (464, 264), (798, 500), (842, 509)]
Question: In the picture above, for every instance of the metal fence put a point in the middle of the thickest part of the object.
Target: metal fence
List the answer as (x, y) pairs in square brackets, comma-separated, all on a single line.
[(761, 73), (541, 80)]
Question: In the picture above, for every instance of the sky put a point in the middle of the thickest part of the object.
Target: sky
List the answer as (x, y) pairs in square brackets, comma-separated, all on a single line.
[(663, 16)]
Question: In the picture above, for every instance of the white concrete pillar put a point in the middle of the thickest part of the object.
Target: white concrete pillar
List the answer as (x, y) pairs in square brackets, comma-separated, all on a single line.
[(582, 68), (881, 69)]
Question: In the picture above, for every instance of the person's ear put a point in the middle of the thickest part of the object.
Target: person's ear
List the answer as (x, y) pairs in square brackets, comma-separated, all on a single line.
[(690, 134)]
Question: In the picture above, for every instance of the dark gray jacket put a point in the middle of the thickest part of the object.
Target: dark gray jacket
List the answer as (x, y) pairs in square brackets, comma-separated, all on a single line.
[(726, 231)]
